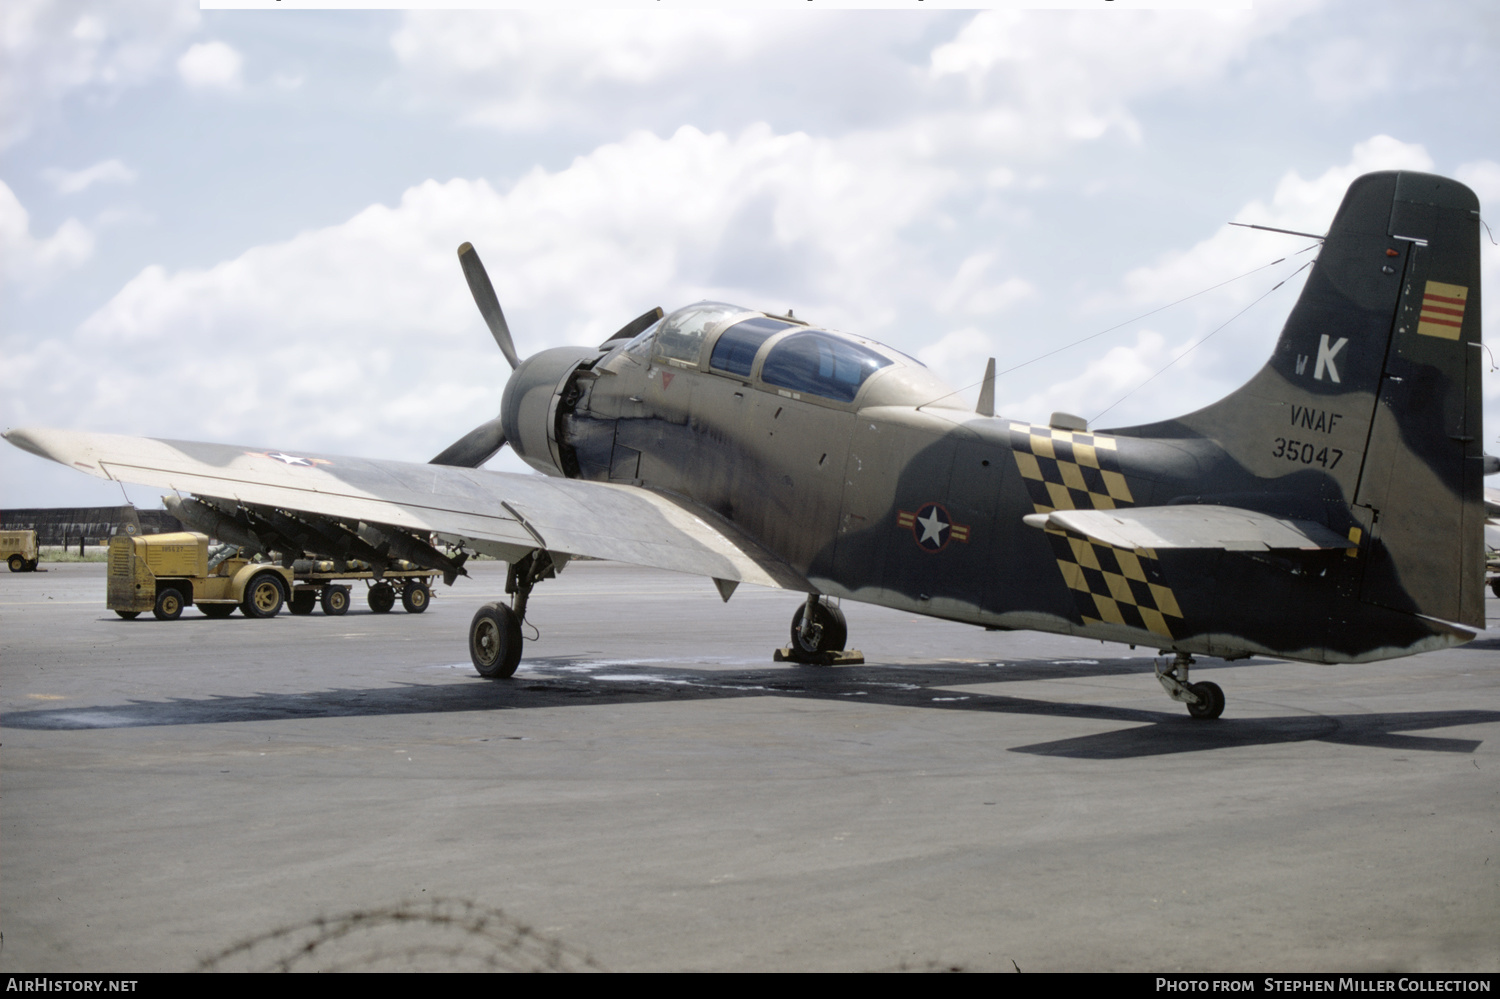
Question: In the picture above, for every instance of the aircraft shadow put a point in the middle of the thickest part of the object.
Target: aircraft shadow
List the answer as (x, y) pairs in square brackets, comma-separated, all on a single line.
[(568, 682)]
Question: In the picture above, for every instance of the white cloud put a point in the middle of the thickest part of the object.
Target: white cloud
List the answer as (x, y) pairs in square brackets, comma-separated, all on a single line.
[(362, 336), (52, 49), (1113, 380), (529, 69), (1297, 204), (25, 259), (1226, 360), (110, 171), (975, 291), (1036, 79), (211, 65)]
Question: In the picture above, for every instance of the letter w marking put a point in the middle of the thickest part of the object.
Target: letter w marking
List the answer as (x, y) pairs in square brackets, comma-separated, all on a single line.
[(1326, 354)]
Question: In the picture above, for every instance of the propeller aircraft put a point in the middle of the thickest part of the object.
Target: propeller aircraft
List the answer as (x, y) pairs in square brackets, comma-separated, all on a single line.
[(1329, 510)]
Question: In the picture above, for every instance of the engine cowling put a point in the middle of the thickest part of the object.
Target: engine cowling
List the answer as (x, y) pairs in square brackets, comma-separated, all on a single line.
[(528, 410)]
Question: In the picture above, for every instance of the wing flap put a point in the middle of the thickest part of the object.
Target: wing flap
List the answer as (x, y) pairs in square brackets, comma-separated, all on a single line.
[(1190, 526), (498, 511)]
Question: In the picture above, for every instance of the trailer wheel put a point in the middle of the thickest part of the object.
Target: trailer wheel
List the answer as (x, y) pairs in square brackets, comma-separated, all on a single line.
[(17, 563), (32, 564), (264, 596), (303, 601), (168, 605), (415, 596), (217, 610), (382, 598), (335, 600), (129, 615)]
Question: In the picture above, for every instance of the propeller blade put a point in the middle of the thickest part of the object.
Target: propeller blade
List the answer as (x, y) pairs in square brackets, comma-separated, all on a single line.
[(489, 305), (630, 329), (475, 447)]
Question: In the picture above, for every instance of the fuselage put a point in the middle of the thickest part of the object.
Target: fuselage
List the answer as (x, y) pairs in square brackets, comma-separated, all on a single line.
[(865, 473)]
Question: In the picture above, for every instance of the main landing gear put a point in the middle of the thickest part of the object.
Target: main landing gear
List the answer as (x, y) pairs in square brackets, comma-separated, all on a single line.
[(1204, 700), (819, 633), (495, 632)]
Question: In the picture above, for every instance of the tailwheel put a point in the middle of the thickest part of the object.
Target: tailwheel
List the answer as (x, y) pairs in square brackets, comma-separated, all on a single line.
[(1205, 701), (1210, 701), (495, 641)]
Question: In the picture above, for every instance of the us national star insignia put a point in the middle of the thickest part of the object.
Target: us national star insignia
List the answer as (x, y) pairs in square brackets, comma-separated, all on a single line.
[(932, 528), (289, 459)]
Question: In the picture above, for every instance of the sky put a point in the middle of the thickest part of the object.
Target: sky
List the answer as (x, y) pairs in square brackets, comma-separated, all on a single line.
[(241, 226)]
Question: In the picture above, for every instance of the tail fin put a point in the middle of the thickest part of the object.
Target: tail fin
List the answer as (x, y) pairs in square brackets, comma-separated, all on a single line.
[(1371, 401)]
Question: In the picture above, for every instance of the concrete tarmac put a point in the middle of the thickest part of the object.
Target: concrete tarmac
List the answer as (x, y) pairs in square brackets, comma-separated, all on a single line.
[(651, 792)]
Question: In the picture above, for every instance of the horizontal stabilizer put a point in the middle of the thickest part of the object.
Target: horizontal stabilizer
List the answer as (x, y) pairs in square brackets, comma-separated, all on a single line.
[(1190, 526)]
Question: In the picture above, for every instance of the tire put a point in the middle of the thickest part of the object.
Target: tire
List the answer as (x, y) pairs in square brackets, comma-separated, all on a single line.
[(415, 596), (17, 563), (1495, 586), (129, 615), (1213, 694), (169, 605), (495, 641), (303, 601), (832, 631), (381, 598), (264, 596), (335, 600), (31, 565), (217, 611)]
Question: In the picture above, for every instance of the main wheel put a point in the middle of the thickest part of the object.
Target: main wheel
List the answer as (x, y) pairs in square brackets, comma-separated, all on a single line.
[(1213, 697), (17, 563), (415, 596), (303, 601), (381, 598), (335, 600), (495, 641), (168, 605), (129, 615), (216, 610), (264, 596), (828, 633)]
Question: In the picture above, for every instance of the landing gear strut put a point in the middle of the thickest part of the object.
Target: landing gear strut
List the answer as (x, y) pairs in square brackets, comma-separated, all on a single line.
[(818, 636), (495, 632), (1204, 700)]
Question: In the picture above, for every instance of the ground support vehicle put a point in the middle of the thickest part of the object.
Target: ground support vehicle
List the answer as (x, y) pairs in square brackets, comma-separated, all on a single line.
[(163, 573), (321, 582), (18, 548)]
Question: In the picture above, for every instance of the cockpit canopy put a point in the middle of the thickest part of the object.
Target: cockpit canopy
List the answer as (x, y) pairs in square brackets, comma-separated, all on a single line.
[(799, 359)]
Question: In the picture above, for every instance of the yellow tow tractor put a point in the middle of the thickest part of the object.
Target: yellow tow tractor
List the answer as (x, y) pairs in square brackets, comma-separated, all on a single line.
[(163, 573)]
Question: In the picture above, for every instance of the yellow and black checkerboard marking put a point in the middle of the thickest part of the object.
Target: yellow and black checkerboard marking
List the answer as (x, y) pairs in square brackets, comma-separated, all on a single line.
[(1071, 470)]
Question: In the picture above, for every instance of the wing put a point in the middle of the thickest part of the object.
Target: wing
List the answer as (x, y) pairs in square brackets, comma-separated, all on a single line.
[(1190, 526), (497, 513)]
